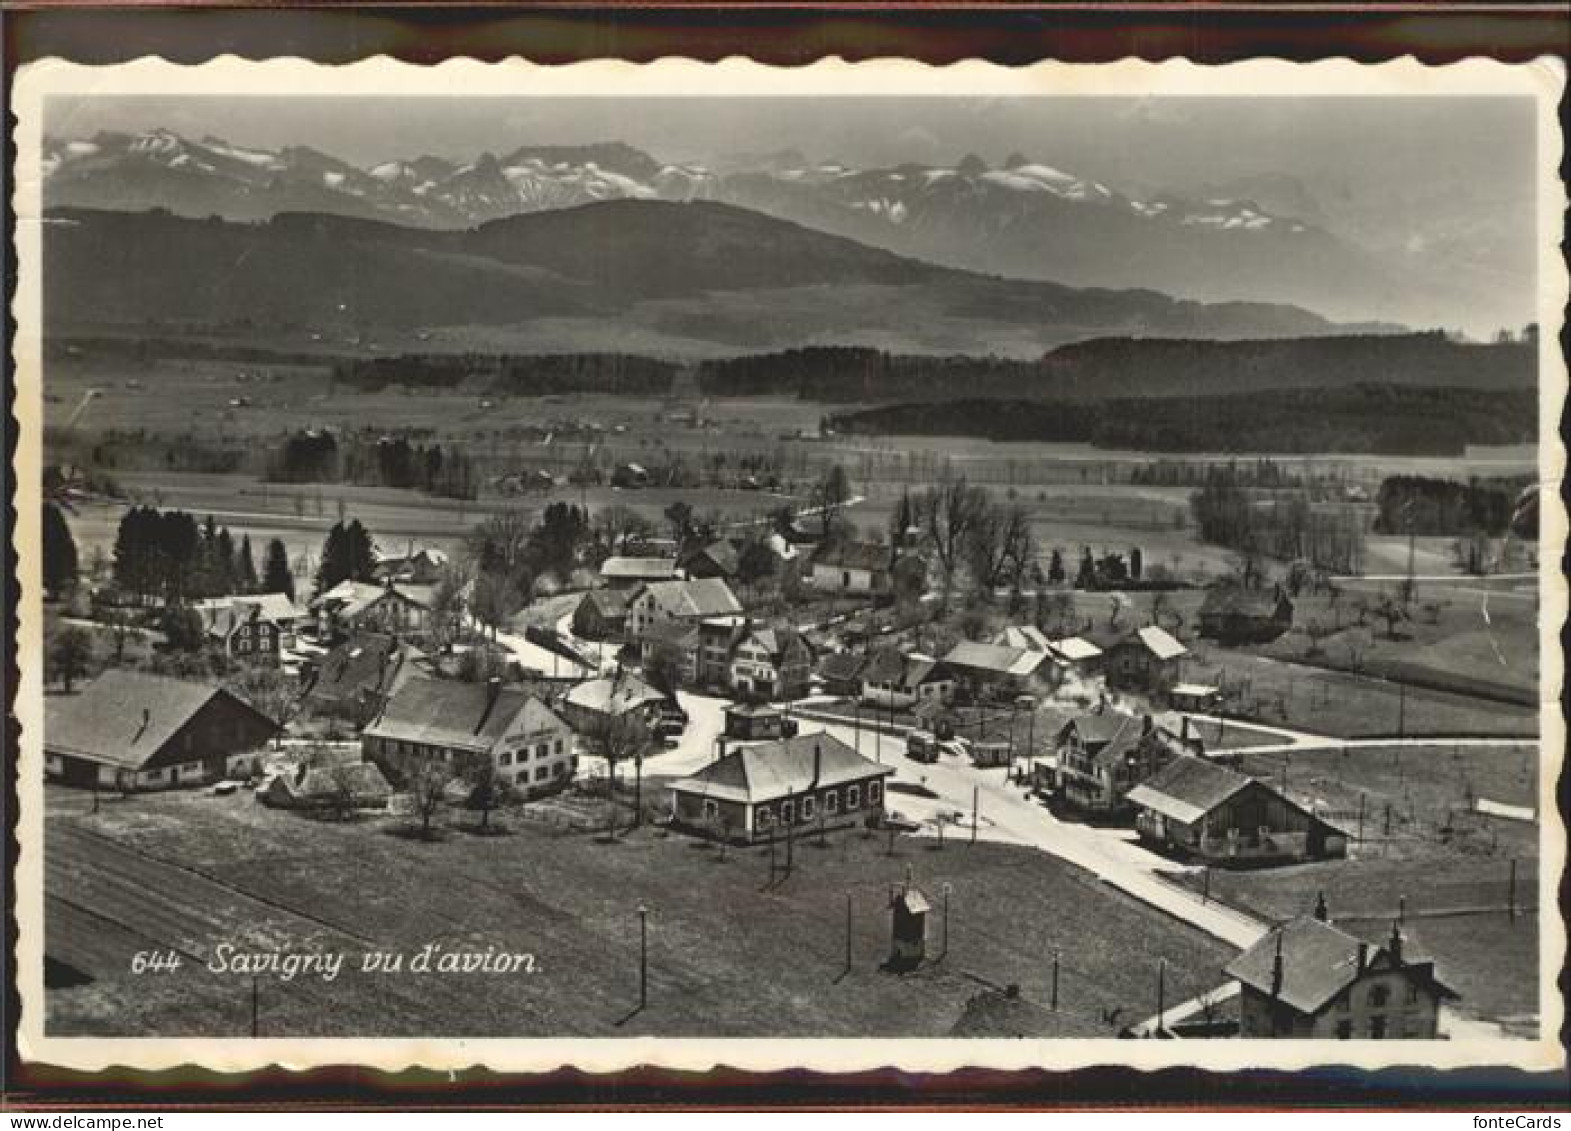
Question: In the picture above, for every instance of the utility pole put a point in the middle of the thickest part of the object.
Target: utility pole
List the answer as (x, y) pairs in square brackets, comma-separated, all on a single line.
[(946, 890), (848, 932), (976, 809), (643, 956)]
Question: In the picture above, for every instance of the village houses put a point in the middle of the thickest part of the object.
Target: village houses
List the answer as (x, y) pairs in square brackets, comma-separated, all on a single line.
[(629, 573), (892, 679), (1233, 614), (1207, 812), (355, 679), (1148, 660), (995, 671), (758, 792), (861, 569), (658, 601), (1308, 979), (384, 607), (1103, 755), (452, 723), (134, 731), (255, 626)]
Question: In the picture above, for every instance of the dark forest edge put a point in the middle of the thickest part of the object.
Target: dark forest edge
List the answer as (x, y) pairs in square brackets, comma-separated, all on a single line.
[(1373, 419)]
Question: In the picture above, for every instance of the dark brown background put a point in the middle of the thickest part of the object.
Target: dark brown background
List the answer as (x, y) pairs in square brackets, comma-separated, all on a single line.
[(781, 34)]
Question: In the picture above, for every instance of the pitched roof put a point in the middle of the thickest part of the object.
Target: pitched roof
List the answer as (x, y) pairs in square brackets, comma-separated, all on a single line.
[(1319, 961), (105, 721), (367, 661), (775, 640), (1188, 788), (640, 569), (772, 770), (1074, 648), (994, 658), (613, 695), (608, 602), (351, 598), (1024, 636), (722, 553), (887, 665), (1159, 643), (681, 633), (855, 555), (275, 607), (446, 712), (707, 597), (1111, 733), (841, 666)]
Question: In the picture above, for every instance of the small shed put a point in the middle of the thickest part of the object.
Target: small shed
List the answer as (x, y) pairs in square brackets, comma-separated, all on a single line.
[(991, 753), (753, 723), (908, 928), (1200, 697)]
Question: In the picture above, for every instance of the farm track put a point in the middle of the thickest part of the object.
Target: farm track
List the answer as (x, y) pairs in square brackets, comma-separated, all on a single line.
[(172, 905)]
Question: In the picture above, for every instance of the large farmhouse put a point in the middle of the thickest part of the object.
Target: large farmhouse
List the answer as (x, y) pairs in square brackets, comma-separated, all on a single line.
[(255, 626), (1148, 660), (453, 723), (388, 607), (758, 792), (655, 602), (996, 670), (133, 731), (1215, 814), (353, 681)]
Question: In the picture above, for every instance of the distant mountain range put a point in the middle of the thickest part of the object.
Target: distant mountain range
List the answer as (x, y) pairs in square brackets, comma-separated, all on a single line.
[(1024, 218), (699, 279)]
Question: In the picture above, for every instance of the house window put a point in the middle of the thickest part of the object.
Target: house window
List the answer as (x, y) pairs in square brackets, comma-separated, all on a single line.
[(1412, 993), (832, 802), (1377, 1027), (853, 797), (807, 808), (559, 770), (559, 747), (507, 757), (763, 816), (1378, 997), (787, 812), (711, 810), (874, 789), (1344, 1030), (542, 772), (543, 750)]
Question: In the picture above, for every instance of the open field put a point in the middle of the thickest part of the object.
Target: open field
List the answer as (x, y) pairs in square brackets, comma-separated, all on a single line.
[(727, 957)]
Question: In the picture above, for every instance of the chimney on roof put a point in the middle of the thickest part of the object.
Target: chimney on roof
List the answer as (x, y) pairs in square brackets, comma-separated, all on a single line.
[(1363, 956), (1394, 946), (1147, 724), (1277, 967), (1321, 911), (147, 718), (818, 764)]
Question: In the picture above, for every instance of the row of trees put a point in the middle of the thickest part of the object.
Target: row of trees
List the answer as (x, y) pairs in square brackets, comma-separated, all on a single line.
[(168, 555), (1227, 515), (1419, 504), (318, 456), (968, 532)]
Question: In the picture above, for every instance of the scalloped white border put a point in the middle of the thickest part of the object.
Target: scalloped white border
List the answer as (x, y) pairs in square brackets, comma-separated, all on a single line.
[(737, 77)]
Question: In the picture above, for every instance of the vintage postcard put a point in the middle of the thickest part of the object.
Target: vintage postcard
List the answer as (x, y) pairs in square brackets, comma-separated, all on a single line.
[(851, 566)]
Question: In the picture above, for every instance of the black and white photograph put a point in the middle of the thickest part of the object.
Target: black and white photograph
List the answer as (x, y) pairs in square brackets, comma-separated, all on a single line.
[(1041, 563)]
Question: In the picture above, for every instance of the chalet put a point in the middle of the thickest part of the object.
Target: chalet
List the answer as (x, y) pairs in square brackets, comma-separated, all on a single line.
[(1210, 813), (1310, 979), (1148, 660), (857, 568), (890, 679), (656, 601), (386, 607), (359, 785), (758, 792), (627, 573), (994, 670), (454, 724), (770, 663), (417, 567), (595, 702), (841, 672), (718, 559), (678, 639), (1233, 614), (1102, 756), (601, 615), (250, 626), (133, 731), (354, 680), (630, 475)]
